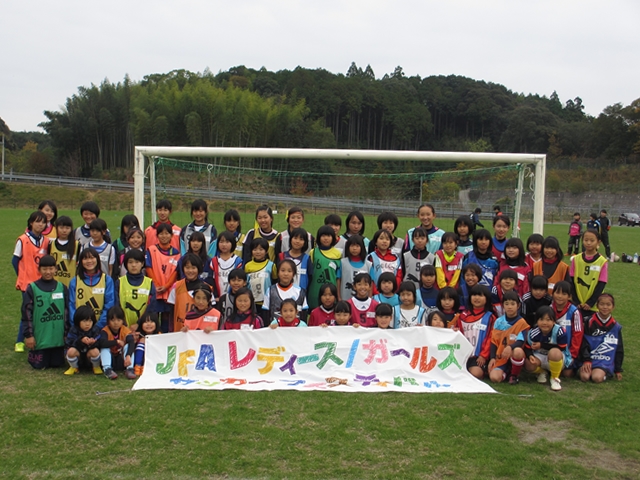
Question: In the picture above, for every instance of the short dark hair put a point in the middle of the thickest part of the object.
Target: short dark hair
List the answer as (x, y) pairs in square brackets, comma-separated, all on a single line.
[(90, 207)]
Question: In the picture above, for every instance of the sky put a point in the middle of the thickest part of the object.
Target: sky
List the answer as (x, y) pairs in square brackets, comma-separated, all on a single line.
[(587, 49)]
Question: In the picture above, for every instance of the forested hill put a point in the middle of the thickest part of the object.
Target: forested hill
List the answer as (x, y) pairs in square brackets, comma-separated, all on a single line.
[(99, 125)]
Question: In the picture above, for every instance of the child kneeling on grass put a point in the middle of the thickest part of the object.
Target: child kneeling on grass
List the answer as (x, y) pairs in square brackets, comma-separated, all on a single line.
[(545, 347), (82, 341), (602, 350), (148, 324), (507, 339), (117, 346)]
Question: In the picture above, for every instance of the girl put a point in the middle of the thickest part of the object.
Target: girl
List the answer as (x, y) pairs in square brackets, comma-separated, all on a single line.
[(534, 249), (384, 315), (448, 262), (355, 226), (134, 291), (288, 315), (501, 225), (232, 225), (507, 339), (482, 255), (471, 276), (382, 259), (259, 270), (325, 259), (148, 324), (602, 334), (408, 314), (343, 314), (161, 263), (589, 274), (263, 228), (117, 346), (389, 221), (325, 314), (200, 216), (387, 285), (224, 262), (135, 241), (295, 219), (552, 267), (463, 227), (244, 316), (476, 323), (30, 248), (181, 293), (91, 286), (513, 258), (436, 319), (568, 316), (128, 221), (417, 257), (299, 243), (428, 293), (354, 262), (197, 244), (203, 316), (163, 212), (100, 242), (64, 249), (507, 281), (226, 303), (51, 212), (426, 214), (448, 303), (544, 347), (284, 289), (82, 341)]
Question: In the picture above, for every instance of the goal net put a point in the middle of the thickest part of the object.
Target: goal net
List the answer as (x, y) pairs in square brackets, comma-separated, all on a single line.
[(342, 180)]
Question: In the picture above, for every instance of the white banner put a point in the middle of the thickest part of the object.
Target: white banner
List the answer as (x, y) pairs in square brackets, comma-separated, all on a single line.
[(344, 359)]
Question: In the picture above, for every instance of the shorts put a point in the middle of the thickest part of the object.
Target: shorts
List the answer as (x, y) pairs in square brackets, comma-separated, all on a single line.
[(46, 358), (473, 362)]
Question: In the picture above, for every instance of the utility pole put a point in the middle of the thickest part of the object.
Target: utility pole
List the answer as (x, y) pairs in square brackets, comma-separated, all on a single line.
[(3, 156)]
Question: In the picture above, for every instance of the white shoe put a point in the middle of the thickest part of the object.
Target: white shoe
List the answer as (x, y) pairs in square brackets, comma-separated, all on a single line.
[(542, 377), (555, 384)]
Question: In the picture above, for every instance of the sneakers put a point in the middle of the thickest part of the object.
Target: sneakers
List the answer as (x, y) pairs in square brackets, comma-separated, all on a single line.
[(19, 347), (110, 374), (71, 371), (129, 373), (555, 384), (513, 380), (97, 370), (542, 377), (138, 369)]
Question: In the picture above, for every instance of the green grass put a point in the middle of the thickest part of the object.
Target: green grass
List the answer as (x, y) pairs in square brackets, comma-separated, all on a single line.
[(58, 427)]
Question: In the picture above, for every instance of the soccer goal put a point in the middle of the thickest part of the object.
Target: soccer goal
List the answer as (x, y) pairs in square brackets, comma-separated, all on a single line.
[(150, 155)]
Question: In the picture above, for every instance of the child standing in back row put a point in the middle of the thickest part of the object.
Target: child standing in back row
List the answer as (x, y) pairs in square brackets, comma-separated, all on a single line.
[(31, 246), (426, 214)]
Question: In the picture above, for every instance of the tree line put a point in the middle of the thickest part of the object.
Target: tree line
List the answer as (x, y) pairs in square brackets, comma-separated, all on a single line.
[(98, 126)]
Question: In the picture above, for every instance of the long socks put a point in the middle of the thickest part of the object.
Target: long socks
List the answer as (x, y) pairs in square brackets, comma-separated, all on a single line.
[(516, 366), (555, 367)]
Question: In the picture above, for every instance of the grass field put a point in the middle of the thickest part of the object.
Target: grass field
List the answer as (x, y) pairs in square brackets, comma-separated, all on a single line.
[(58, 427)]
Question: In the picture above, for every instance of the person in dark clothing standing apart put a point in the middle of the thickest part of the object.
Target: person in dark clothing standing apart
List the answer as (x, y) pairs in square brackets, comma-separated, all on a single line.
[(605, 226), (475, 217)]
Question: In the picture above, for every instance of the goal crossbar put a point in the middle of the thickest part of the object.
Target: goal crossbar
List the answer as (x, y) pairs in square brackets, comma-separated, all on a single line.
[(537, 160)]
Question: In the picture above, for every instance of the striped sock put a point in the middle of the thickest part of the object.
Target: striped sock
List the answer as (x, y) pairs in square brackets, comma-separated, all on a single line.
[(73, 361), (516, 366)]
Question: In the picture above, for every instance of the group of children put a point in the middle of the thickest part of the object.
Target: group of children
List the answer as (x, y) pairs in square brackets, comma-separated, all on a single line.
[(92, 301)]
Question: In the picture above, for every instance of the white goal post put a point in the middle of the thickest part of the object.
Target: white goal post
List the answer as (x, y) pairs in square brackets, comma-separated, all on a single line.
[(537, 160)]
